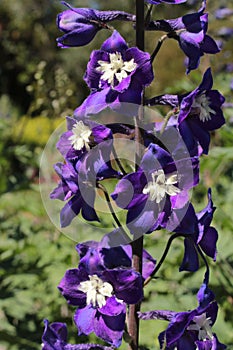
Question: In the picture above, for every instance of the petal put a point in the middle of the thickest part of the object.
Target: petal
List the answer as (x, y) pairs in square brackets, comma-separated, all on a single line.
[(148, 264), (127, 284), (84, 320), (110, 328), (69, 286), (208, 242), (93, 104), (178, 325), (113, 307), (71, 210), (144, 72), (54, 333), (155, 158), (190, 260), (209, 45), (128, 191), (115, 43), (78, 37)]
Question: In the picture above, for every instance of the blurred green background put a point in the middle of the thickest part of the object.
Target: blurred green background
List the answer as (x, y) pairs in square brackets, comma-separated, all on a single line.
[(41, 84)]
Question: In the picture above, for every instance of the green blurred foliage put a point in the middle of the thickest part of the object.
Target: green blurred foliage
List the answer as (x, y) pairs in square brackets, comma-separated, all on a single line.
[(39, 85)]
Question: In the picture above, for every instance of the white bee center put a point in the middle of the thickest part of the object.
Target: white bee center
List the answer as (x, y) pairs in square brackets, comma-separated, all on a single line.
[(116, 68), (96, 291), (160, 186), (80, 137), (203, 326), (202, 102)]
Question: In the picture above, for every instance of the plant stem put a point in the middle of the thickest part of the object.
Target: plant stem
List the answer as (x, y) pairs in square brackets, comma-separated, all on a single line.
[(137, 244), (158, 47), (157, 267), (125, 237)]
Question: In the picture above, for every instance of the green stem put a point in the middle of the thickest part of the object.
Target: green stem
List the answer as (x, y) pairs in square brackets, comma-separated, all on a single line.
[(159, 264)]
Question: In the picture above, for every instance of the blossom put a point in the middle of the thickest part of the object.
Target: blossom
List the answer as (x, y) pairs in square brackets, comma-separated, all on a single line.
[(115, 74), (197, 230), (80, 25), (190, 32), (81, 136), (151, 193), (78, 182), (200, 112), (55, 338), (111, 253), (189, 330), (100, 295)]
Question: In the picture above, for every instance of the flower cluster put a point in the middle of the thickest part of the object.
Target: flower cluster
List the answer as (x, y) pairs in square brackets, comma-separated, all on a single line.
[(154, 194)]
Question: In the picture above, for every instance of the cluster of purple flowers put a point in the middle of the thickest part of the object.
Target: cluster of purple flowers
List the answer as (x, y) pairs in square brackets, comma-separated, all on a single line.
[(155, 196)]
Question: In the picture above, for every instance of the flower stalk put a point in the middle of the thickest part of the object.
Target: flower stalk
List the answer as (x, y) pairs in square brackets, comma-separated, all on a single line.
[(137, 244)]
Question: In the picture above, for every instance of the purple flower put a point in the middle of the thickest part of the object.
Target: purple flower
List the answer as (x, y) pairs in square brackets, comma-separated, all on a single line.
[(200, 112), (189, 330), (55, 338), (80, 25), (101, 296), (79, 180), (196, 227), (110, 253), (115, 74), (81, 136), (190, 31), (160, 185)]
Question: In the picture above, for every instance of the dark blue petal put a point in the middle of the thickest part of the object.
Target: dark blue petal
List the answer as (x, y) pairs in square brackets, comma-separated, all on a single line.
[(190, 261)]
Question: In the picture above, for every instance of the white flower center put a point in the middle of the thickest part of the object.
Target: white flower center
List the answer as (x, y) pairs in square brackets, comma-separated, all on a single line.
[(202, 102), (80, 137), (203, 326), (116, 68), (96, 291), (160, 186)]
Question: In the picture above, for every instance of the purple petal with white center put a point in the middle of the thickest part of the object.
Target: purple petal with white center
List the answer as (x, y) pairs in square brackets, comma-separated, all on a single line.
[(69, 286)]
